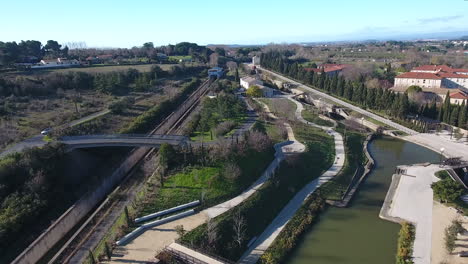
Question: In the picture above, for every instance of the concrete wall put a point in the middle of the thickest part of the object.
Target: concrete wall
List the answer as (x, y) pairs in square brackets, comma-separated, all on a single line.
[(76, 212)]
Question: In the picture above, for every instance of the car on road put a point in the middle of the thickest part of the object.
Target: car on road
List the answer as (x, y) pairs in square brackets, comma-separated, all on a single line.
[(46, 131)]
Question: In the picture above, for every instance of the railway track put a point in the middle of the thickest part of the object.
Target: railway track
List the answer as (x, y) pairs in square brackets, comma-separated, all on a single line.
[(108, 211)]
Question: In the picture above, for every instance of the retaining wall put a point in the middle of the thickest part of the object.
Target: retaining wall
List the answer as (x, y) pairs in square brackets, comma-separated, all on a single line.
[(76, 212)]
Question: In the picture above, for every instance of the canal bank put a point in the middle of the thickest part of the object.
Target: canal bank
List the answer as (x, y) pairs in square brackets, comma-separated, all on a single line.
[(356, 234)]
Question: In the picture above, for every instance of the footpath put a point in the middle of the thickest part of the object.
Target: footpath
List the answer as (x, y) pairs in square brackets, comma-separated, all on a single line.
[(262, 243), (144, 247)]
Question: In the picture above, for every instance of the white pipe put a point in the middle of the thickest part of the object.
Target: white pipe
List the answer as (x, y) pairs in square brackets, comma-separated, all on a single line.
[(167, 211)]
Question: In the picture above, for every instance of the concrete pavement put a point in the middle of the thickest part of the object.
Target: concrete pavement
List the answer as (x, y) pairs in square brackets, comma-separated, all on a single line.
[(413, 201)]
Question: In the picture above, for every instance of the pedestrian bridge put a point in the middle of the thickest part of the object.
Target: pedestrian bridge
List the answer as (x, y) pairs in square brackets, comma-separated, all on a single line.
[(122, 140)]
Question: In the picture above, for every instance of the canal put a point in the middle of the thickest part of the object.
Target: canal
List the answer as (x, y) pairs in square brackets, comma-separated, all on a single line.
[(356, 235)]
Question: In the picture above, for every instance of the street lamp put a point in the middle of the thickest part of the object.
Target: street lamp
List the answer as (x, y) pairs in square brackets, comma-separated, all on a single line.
[(362, 121), (441, 154)]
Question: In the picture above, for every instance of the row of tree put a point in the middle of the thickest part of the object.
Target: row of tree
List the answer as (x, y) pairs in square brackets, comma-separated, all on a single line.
[(11, 52), (396, 105), (118, 82)]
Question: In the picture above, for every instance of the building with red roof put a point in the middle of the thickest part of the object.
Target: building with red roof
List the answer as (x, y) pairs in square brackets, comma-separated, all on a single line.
[(435, 78), (328, 68), (459, 97)]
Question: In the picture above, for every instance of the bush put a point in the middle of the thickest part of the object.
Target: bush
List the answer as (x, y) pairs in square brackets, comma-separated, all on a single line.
[(405, 244), (224, 127), (447, 190)]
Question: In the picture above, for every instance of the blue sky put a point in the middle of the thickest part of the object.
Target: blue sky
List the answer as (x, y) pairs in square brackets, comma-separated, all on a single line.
[(105, 23)]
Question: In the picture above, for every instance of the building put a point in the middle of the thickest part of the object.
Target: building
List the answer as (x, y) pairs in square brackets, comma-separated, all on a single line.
[(256, 60), (56, 63), (215, 72), (328, 68), (433, 78), (459, 97), (248, 81)]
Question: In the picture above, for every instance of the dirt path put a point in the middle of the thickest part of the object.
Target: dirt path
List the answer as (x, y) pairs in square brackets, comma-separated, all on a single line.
[(442, 216)]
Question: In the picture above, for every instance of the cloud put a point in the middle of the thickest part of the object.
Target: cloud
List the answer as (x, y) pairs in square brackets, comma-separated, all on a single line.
[(439, 19)]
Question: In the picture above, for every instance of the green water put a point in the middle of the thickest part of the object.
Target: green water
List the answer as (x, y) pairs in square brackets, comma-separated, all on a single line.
[(356, 235)]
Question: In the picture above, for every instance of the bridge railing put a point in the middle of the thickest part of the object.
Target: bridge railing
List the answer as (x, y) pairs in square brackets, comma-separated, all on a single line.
[(125, 136)]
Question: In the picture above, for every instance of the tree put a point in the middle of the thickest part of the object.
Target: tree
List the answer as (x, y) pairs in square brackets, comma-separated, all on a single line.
[(463, 115), (212, 232), (413, 89), (180, 230), (232, 171), (236, 76), (148, 45), (239, 226), (52, 46), (254, 91), (446, 109), (108, 251), (447, 190)]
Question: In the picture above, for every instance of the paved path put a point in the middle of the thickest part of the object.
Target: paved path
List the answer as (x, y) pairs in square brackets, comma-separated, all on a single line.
[(145, 246), (431, 141), (412, 201), (193, 254), (262, 243)]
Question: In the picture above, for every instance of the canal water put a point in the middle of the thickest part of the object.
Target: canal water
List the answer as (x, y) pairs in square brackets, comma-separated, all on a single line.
[(356, 235)]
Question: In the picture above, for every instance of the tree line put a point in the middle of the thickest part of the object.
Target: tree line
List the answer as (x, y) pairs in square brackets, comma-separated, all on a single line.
[(118, 82), (395, 105), (11, 52)]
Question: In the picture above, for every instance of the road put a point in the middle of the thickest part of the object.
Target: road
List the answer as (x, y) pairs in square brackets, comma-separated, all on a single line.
[(348, 105), (431, 141)]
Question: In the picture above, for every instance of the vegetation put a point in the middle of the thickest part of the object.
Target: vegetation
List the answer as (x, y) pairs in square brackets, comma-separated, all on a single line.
[(220, 115), (451, 234), (295, 228), (447, 190), (355, 158), (310, 115), (254, 91), (387, 102), (219, 235), (405, 244), (146, 121)]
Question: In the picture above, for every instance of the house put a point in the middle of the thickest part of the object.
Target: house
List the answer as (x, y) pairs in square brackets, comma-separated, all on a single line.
[(433, 78), (256, 60), (215, 72), (328, 68), (459, 97), (248, 81), (56, 63)]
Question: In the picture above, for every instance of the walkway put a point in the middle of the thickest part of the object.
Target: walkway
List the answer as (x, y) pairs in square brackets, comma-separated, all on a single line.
[(431, 141), (262, 243), (151, 241), (412, 201)]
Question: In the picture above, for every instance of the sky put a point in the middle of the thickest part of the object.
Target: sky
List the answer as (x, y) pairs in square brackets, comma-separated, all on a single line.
[(118, 23)]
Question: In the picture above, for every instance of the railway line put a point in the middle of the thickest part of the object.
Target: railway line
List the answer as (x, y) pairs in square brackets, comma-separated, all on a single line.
[(76, 249)]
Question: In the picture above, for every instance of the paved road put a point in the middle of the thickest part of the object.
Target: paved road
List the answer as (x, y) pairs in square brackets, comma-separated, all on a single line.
[(341, 102), (264, 241)]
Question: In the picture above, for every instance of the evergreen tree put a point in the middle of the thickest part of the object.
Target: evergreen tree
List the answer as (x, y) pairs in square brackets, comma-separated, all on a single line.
[(446, 109), (454, 116), (462, 117)]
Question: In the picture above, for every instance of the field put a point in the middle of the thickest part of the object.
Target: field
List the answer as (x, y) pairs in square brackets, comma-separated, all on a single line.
[(93, 69)]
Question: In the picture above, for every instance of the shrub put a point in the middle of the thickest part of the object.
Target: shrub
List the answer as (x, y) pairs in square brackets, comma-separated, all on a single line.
[(405, 244), (224, 127), (447, 190)]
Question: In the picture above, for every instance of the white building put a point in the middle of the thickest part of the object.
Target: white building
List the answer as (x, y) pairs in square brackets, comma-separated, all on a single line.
[(459, 97), (256, 60), (247, 82), (55, 63), (433, 77)]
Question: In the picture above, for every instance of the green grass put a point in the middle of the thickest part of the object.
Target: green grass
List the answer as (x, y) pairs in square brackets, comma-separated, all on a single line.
[(262, 207), (309, 115), (335, 188), (184, 187), (202, 136)]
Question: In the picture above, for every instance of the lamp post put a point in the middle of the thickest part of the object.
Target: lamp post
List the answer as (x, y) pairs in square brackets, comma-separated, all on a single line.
[(362, 121), (441, 155)]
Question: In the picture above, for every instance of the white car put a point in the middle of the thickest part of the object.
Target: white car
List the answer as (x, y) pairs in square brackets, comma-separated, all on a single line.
[(46, 131)]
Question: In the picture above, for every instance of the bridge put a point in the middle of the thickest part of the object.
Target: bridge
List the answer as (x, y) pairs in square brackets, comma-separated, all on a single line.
[(122, 140)]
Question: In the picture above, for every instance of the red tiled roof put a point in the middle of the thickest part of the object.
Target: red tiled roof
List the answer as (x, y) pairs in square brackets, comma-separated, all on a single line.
[(460, 70), (419, 75), (452, 75), (459, 95), (433, 68)]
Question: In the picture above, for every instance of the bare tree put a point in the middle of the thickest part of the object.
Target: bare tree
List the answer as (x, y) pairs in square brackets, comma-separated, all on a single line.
[(212, 232), (239, 226), (232, 171), (258, 141)]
